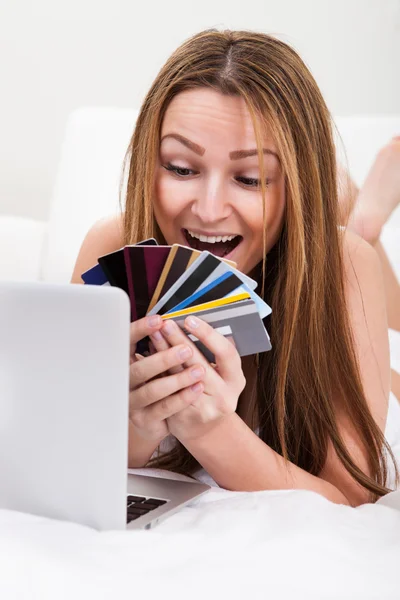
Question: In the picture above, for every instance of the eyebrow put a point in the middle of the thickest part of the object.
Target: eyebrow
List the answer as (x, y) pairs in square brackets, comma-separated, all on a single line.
[(235, 155), (191, 145)]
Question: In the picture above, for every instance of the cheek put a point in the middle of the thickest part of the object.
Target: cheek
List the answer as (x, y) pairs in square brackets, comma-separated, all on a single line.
[(274, 213), (170, 196), (274, 217), (253, 217)]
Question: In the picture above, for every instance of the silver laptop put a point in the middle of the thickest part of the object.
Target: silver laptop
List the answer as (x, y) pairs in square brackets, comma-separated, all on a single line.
[(64, 378)]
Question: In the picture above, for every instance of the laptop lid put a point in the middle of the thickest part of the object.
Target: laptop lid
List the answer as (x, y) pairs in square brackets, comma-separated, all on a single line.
[(64, 380)]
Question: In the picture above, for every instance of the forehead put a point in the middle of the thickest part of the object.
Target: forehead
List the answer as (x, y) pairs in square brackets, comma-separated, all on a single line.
[(203, 114)]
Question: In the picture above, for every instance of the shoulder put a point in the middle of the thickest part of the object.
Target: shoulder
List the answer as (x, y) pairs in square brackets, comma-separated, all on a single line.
[(110, 229), (105, 236)]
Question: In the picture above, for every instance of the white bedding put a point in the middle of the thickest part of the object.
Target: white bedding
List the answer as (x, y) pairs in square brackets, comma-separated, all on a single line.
[(273, 544), (290, 544)]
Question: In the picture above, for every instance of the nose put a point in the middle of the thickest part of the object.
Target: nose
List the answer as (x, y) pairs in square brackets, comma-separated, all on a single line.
[(212, 203)]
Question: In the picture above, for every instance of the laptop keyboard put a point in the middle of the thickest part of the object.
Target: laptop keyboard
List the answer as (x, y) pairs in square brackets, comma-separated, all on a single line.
[(139, 505)]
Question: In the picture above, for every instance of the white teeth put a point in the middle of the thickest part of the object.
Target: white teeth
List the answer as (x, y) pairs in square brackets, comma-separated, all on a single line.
[(211, 239)]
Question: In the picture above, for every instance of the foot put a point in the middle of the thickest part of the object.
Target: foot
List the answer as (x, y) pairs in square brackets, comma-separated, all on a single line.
[(379, 195)]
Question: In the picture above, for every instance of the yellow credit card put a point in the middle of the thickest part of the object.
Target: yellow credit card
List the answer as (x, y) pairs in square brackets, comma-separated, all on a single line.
[(208, 305)]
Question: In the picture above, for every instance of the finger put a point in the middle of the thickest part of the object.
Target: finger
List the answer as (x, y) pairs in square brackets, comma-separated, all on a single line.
[(227, 359), (160, 344), (170, 406), (147, 368), (142, 328), (159, 389), (174, 335), (136, 357)]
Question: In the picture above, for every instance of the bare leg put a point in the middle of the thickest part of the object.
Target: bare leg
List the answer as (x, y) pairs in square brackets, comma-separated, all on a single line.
[(379, 195), (363, 213)]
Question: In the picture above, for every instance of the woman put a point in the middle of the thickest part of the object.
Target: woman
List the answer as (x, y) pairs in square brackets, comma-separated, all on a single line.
[(234, 139)]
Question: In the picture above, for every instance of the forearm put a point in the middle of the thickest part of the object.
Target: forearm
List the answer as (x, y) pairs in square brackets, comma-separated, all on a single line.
[(238, 460), (140, 450)]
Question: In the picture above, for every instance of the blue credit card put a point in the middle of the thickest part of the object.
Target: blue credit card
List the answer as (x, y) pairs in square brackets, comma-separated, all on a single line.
[(218, 288), (95, 276), (217, 284)]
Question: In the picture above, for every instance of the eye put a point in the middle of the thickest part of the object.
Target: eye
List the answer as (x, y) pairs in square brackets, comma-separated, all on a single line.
[(179, 171), (251, 182)]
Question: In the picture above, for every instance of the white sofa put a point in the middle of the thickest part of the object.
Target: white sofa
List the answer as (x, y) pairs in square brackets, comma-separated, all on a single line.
[(87, 188)]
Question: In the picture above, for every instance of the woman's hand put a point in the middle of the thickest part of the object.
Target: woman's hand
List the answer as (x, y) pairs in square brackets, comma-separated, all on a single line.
[(152, 398), (221, 386)]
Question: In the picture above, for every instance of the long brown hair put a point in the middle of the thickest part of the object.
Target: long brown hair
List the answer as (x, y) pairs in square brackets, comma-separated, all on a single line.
[(313, 359)]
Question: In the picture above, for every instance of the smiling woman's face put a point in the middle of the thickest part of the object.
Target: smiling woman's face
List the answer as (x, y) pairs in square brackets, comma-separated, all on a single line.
[(208, 179)]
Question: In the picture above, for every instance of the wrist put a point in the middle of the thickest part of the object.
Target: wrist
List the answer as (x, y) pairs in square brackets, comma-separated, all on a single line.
[(141, 449), (144, 436), (210, 431)]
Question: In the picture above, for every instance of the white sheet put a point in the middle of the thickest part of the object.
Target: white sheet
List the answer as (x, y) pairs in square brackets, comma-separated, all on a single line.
[(291, 544)]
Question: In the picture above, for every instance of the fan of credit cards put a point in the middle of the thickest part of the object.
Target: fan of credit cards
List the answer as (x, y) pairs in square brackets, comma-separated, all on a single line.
[(177, 281)]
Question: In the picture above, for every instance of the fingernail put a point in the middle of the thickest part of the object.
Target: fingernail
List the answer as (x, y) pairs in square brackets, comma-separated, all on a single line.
[(184, 352), (197, 387), (156, 336), (154, 320), (193, 322), (168, 327), (196, 373)]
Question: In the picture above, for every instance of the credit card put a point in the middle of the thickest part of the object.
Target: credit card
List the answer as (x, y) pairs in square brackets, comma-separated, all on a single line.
[(224, 268), (226, 331), (179, 259), (203, 269), (144, 265), (113, 265), (248, 331), (212, 305), (95, 276), (263, 308), (148, 242), (187, 283), (219, 288)]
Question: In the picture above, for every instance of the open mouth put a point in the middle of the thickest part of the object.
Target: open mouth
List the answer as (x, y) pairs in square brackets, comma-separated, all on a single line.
[(220, 248)]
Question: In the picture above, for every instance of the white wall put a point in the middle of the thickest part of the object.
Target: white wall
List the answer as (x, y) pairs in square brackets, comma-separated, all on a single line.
[(56, 56)]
